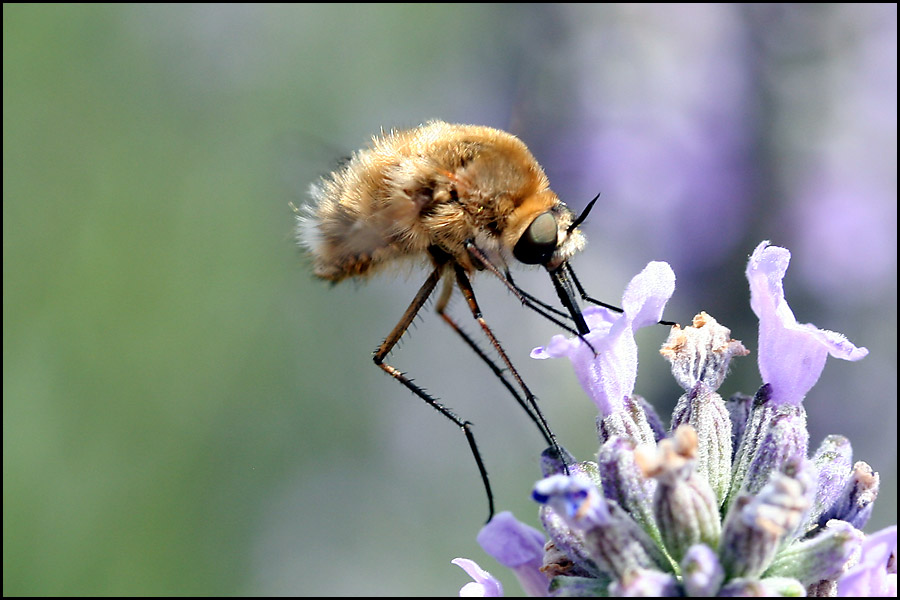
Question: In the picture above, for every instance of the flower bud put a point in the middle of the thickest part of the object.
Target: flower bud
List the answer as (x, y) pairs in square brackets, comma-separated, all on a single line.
[(701, 352), (855, 502), (757, 524), (825, 556), (702, 575), (833, 460), (685, 507), (623, 482)]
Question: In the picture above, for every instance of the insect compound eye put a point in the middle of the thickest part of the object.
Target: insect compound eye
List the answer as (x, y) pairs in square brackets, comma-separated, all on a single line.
[(538, 243)]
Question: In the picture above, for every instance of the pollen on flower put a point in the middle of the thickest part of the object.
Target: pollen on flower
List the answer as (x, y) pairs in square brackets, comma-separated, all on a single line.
[(676, 344), (556, 562), (678, 338), (865, 474), (701, 352), (671, 454)]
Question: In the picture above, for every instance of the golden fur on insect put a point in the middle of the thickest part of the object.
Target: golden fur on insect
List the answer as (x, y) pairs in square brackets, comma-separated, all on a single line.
[(435, 186)]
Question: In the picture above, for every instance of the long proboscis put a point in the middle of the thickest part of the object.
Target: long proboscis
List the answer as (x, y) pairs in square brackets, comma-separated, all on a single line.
[(566, 294), (586, 298)]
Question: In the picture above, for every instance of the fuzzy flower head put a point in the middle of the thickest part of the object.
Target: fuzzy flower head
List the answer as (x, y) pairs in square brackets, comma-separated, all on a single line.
[(606, 359), (729, 500)]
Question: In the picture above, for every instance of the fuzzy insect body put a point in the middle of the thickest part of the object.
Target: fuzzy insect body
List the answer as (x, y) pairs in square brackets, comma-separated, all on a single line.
[(435, 188)]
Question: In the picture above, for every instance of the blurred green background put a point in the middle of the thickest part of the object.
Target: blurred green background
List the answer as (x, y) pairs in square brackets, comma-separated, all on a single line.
[(186, 411)]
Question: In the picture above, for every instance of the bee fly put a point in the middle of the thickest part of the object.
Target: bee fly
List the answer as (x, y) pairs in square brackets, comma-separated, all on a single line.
[(460, 199)]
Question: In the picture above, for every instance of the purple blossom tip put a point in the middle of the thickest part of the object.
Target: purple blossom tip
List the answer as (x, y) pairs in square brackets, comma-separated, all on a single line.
[(791, 355), (516, 546), (876, 572), (484, 585), (511, 542), (606, 366), (756, 525), (702, 574), (576, 499), (855, 502), (645, 583)]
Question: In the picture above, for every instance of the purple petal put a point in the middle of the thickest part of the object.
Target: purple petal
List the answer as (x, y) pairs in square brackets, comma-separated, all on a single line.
[(607, 368), (791, 355), (574, 498), (510, 541), (485, 584), (519, 547), (599, 321), (647, 294), (871, 576)]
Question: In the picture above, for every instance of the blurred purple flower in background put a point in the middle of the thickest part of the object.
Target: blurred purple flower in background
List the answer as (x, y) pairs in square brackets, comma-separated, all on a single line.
[(779, 115), (727, 502), (668, 126)]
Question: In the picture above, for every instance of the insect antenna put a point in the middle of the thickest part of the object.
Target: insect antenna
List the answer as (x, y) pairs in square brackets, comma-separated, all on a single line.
[(583, 215)]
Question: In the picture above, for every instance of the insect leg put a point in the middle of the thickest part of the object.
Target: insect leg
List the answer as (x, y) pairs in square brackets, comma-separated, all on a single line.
[(534, 299), (385, 348), (498, 372), (466, 287)]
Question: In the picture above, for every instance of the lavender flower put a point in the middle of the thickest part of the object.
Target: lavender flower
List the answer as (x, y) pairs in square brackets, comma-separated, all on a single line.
[(700, 356), (791, 354), (608, 375), (876, 572), (727, 502), (484, 585), (516, 546)]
